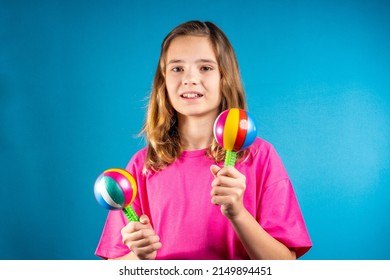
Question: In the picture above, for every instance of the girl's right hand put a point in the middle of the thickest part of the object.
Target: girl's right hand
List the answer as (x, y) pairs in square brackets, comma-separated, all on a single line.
[(141, 239)]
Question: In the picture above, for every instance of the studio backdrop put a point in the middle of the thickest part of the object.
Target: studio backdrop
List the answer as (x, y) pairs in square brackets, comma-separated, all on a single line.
[(74, 81)]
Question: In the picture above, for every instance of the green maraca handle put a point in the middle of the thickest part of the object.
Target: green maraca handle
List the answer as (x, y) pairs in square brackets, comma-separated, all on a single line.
[(130, 214), (230, 158)]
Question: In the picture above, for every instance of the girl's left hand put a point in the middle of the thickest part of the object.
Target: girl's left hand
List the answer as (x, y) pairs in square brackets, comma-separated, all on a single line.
[(227, 190)]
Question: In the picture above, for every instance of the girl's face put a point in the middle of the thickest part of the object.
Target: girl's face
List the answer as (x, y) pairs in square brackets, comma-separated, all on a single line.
[(192, 77)]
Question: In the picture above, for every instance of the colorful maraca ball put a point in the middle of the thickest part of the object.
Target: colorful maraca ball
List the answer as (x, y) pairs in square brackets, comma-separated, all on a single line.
[(115, 189), (234, 129)]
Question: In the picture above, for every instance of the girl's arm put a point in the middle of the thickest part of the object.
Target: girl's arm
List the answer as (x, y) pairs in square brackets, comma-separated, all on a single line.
[(257, 242), (129, 256), (227, 191)]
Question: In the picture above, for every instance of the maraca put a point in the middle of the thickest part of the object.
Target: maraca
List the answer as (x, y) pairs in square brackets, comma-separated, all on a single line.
[(115, 189), (234, 130)]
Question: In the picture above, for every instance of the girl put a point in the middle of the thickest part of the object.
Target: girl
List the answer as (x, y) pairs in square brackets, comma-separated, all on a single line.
[(192, 207)]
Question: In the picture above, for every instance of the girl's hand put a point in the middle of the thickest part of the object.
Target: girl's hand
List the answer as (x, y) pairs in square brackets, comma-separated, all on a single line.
[(141, 239), (228, 189)]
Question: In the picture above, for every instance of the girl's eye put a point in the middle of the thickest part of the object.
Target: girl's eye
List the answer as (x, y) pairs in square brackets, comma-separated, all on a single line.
[(177, 69), (206, 68)]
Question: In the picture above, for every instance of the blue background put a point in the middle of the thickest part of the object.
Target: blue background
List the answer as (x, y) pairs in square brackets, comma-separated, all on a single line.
[(75, 75)]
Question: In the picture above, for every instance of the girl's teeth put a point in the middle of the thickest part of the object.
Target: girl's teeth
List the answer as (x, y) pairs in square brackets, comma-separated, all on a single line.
[(191, 95)]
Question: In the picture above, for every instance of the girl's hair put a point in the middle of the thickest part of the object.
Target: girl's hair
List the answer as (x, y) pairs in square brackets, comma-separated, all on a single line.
[(160, 127)]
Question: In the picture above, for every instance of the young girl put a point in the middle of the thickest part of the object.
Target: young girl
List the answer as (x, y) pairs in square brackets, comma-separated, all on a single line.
[(190, 205)]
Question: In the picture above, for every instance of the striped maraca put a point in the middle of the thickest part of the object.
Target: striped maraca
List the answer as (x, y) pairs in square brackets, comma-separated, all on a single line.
[(115, 189), (234, 130)]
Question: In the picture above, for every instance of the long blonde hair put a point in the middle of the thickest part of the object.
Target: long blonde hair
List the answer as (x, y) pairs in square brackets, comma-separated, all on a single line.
[(160, 127)]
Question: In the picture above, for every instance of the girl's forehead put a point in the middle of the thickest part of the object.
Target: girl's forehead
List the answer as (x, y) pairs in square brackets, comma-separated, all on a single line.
[(190, 46)]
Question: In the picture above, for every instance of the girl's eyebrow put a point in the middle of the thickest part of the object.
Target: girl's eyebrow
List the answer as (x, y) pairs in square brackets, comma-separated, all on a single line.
[(205, 60), (174, 61), (201, 60)]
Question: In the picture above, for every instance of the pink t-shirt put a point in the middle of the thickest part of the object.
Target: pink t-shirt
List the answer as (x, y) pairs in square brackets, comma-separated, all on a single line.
[(178, 202)]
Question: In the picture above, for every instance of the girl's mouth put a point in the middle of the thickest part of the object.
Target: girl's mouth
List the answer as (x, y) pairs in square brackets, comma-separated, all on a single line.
[(191, 95)]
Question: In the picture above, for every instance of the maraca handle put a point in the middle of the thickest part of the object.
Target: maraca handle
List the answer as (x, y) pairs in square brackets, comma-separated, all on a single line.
[(230, 158), (130, 214)]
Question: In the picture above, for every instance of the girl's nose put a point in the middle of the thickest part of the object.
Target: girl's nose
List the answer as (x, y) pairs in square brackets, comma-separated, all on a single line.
[(190, 78)]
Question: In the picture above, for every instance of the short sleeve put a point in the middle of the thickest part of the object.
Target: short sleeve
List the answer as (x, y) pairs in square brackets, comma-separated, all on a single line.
[(110, 245), (281, 217), (280, 213)]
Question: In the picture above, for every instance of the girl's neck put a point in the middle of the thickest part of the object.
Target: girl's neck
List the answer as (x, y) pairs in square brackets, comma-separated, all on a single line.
[(195, 133)]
